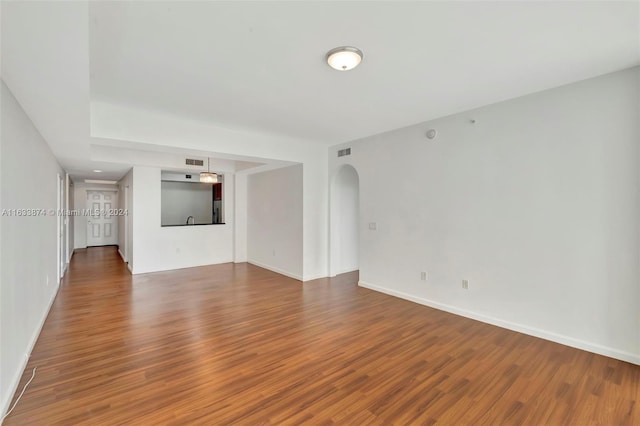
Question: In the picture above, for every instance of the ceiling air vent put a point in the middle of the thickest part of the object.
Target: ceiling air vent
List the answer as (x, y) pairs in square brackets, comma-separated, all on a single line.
[(192, 162), (343, 152)]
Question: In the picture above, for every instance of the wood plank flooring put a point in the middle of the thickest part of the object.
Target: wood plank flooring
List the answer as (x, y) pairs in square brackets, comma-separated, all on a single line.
[(237, 344)]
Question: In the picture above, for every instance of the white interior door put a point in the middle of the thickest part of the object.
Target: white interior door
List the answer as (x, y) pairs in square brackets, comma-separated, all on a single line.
[(102, 225)]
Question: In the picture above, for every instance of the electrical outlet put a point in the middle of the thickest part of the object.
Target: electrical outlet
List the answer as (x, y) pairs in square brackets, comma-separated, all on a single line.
[(465, 284), (273, 252), (423, 276), (47, 280), (373, 226)]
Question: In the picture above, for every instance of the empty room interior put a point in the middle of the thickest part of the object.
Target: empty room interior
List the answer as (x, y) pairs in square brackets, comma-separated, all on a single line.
[(320, 212)]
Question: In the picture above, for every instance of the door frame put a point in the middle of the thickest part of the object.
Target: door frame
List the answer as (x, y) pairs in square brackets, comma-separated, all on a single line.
[(60, 226), (126, 224), (67, 201)]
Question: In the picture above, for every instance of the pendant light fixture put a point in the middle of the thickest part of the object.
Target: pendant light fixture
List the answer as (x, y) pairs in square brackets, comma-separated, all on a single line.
[(344, 58), (208, 177)]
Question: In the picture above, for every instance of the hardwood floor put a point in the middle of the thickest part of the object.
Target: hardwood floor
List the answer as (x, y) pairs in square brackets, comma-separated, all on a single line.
[(237, 344)]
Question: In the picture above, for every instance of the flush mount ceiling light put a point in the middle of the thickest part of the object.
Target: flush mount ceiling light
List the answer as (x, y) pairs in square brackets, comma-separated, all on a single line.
[(97, 171), (208, 177), (344, 58)]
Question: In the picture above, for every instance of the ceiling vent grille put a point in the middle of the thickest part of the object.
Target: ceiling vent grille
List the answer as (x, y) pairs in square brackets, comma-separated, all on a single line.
[(343, 152), (193, 162)]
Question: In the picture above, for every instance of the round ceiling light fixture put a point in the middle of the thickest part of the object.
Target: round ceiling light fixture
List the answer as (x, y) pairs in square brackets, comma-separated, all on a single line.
[(344, 58)]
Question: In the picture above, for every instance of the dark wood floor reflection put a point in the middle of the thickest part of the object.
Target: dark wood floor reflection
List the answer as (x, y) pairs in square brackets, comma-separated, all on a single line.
[(237, 344)]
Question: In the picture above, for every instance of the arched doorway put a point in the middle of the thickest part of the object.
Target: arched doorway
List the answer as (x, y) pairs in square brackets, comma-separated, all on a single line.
[(345, 219)]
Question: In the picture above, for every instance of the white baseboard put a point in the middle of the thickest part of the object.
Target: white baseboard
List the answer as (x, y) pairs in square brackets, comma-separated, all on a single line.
[(121, 255), (277, 270), (343, 271), (34, 338), (531, 331), (314, 277), (175, 267)]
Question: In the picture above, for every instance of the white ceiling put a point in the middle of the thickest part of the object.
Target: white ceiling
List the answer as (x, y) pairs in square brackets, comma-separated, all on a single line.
[(259, 66)]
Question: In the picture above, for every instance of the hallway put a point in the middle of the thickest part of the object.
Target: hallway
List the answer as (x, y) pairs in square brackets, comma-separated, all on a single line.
[(239, 344)]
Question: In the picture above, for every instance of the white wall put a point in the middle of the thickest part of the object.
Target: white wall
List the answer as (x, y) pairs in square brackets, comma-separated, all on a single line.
[(80, 200), (240, 229), (274, 220), (122, 231), (28, 245), (125, 222), (157, 248), (345, 220), (536, 204)]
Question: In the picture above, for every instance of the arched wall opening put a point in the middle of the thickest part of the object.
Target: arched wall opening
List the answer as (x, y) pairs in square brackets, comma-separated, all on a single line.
[(344, 238)]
